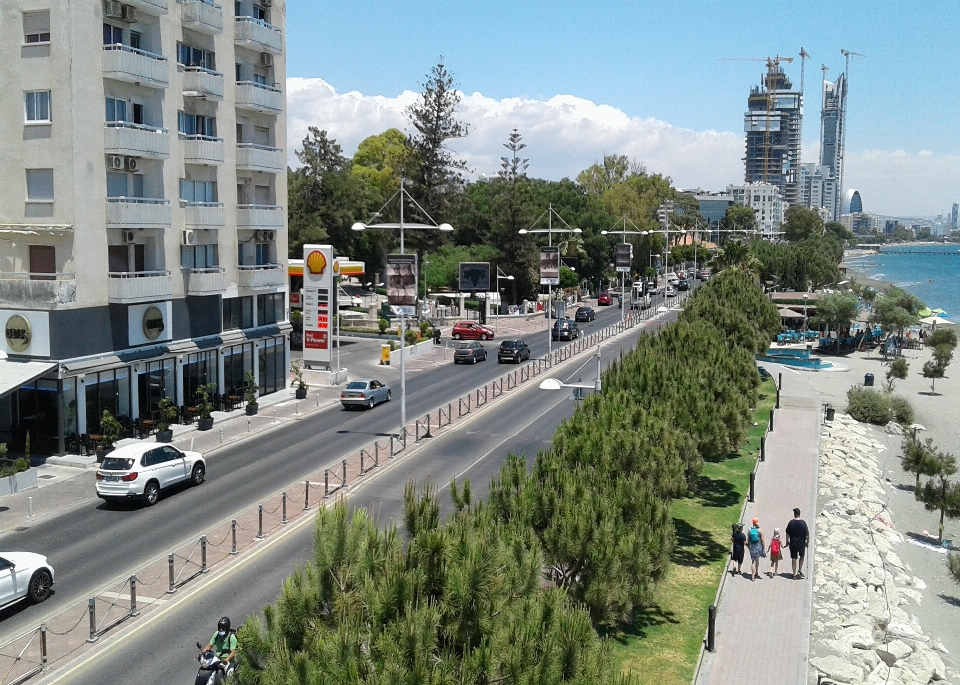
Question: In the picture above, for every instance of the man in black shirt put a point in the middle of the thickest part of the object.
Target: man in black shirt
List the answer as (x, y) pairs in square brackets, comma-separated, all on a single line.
[(798, 538)]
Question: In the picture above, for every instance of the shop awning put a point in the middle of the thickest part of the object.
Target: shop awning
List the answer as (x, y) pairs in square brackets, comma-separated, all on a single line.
[(14, 374)]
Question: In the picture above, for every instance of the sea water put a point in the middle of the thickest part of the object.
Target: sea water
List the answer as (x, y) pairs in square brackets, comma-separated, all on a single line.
[(934, 277)]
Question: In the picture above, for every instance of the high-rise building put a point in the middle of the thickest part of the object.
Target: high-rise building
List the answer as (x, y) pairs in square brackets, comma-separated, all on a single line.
[(831, 130), (953, 216), (142, 242), (772, 124), (818, 189)]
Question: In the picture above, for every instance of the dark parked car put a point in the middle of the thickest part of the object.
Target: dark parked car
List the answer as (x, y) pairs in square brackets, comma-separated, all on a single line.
[(604, 300), (470, 353), (683, 285), (565, 329), (585, 314), (513, 351)]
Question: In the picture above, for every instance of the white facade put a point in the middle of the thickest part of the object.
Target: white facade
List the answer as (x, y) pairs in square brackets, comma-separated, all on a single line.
[(766, 202), (818, 189), (124, 174)]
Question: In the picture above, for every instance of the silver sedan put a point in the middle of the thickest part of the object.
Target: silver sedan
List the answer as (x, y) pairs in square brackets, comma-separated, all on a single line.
[(364, 392)]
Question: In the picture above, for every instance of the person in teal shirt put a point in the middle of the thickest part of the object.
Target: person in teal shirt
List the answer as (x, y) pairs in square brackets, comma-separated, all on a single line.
[(224, 644)]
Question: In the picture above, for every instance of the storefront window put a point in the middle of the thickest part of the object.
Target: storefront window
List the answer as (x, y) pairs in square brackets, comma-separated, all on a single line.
[(106, 391), (272, 371), (238, 359), (155, 381), (200, 369), (68, 403), (36, 413)]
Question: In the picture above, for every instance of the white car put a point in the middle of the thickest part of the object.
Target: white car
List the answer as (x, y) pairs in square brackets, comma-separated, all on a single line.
[(143, 470), (24, 575), (671, 291)]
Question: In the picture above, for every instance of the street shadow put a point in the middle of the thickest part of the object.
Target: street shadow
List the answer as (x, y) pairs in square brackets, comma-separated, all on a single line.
[(905, 488), (643, 621), (719, 458), (376, 435), (695, 547), (3, 509), (715, 492), (927, 540), (949, 599)]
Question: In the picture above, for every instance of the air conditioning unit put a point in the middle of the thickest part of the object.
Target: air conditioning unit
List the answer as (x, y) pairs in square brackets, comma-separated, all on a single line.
[(266, 59), (189, 237), (129, 14), (127, 237), (266, 3), (112, 9), (115, 162), (263, 236), (131, 163)]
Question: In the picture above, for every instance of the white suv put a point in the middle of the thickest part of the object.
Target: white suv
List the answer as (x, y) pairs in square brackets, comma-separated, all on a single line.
[(24, 575), (143, 470)]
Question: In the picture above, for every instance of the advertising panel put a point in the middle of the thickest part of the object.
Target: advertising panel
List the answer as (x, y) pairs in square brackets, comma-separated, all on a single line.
[(25, 333), (549, 266), (624, 258), (318, 292), (401, 273), (474, 277)]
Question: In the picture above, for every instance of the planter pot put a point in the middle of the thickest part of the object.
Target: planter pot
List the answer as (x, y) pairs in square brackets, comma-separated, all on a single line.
[(25, 480), (101, 453), (165, 436), (205, 424), (252, 408), (301, 393)]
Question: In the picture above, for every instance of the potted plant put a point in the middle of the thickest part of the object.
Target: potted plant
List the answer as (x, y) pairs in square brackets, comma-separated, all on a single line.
[(205, 422), (168, 414), (15, 474), (250, 390), (109, 434), (296, 368)]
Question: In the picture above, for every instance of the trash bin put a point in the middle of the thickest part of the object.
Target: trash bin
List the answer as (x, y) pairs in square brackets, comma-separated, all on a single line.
[(868, 380), (831, 412)]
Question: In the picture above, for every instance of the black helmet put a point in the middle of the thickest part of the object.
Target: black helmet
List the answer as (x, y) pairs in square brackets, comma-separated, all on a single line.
[(223, 626)]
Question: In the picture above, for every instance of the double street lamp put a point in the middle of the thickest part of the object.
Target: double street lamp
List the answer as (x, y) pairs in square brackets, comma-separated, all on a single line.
[(403, 226), (500, 275), (578, 388)]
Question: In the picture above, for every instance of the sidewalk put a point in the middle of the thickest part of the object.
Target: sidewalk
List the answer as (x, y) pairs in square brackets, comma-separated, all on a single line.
[(763, 627)]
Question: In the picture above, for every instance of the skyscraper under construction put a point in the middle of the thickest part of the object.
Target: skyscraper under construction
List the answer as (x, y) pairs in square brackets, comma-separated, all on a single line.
[(831, 132), (772, 124)]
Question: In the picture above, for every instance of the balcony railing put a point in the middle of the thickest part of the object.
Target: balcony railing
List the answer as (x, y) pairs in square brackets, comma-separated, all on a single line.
[(203, 215), (259, 97), (201, 15), (202, 149), (136, 140), (258, 35), (202, 83), (127, 287), (138, 212), (123, 63), (259, 276), (209, 281), (260, 217), (151, 7), (38, 289), (253, 157)]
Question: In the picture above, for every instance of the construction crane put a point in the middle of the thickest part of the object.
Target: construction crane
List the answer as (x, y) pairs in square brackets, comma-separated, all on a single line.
[(803, 65), (843, 134)]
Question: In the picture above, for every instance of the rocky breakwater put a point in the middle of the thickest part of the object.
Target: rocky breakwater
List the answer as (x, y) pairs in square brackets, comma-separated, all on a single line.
[(861, 629)]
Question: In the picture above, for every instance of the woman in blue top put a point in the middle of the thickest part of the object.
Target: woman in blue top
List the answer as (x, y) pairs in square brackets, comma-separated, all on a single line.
[(755, 540)]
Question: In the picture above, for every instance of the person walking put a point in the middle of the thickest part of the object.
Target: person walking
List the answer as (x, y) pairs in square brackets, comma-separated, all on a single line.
[(798, 539), (755, 538), (775, 553), (739, 540)]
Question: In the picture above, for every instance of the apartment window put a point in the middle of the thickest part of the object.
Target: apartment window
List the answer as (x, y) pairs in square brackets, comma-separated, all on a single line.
[(237, 312), (124, 185), (261, 13), (112, 35), (269, 308), (135, 39), (238, 72), (261, 135), (198, 191), (190, 56), (260, 78), (198, 256), (43, 260), (263, 254), (36, 27), (40, 185), (37, 106), (196, 125), (116, 109)]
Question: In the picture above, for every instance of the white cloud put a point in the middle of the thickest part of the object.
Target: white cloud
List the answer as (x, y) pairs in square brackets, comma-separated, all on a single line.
[(566, 134)]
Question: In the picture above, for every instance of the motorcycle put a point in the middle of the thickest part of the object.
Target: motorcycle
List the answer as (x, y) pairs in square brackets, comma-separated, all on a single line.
[(212, 671)]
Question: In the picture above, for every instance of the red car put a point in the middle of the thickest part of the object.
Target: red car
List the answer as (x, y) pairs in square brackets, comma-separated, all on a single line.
[(468, 330), (604, 299)]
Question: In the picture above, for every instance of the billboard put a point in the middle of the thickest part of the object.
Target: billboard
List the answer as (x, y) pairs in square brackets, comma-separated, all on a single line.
[(318, 295), (549, 266), (401, 280), (474, 277), (623, 258)]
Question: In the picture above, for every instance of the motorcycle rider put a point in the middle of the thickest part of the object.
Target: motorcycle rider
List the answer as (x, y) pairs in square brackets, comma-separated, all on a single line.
[(224, 645)]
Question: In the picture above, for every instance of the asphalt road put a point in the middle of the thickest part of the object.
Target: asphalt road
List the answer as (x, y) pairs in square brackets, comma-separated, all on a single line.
[(95, 544), (163, 645)]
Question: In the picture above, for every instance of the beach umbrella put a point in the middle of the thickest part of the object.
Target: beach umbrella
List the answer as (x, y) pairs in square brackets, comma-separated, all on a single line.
[(924, 311), (945, 322), (938, 311), (789, 314)]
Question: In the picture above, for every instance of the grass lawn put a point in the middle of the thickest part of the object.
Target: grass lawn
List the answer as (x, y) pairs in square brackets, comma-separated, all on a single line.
[(663, 645)]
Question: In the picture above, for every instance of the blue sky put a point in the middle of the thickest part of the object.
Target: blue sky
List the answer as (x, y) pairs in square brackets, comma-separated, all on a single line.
[(658, 61)]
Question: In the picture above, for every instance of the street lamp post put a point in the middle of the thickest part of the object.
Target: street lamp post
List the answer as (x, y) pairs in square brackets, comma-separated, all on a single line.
[(805, 295), (557, 384), (359, 226), (550, 230), (500, 275), (624, 232)]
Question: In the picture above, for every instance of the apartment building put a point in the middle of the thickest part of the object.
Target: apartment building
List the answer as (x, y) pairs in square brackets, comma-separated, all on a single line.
[(767, 203), (143, 242)]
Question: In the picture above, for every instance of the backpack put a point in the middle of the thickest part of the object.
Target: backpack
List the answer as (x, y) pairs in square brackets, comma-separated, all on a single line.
[(754, 535)]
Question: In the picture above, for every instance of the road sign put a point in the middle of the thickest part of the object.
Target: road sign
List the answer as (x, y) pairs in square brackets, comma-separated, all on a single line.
[(624, 258)]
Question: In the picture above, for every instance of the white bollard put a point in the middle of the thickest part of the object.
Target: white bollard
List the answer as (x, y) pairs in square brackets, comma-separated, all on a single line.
[(274, 415), (30, 507), (221, 436), (248, 424), (191, 444)]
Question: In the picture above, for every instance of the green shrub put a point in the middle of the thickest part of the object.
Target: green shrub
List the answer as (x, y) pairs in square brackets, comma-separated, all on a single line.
[(902, 410), (868, 406), (425, 327), (18, 466), (412, 337), (382, 325)]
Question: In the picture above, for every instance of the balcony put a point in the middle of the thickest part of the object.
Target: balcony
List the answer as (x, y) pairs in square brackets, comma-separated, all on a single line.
[(138, 212), (260, 217), (37, 289), (202, 150), (136, 140), (154, 8), (130, 287), (257, 35), (253, 157), (203, 215), (202, 83), (209, 281), (259, 97), (201, 15), (260, 276), (123, 63)]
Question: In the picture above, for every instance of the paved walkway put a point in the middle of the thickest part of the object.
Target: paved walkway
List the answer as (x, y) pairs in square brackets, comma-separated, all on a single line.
[(763, 627)]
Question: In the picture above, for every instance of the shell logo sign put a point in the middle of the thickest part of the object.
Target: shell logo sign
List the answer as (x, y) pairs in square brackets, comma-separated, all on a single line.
[(316, 263), (336, 267)]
